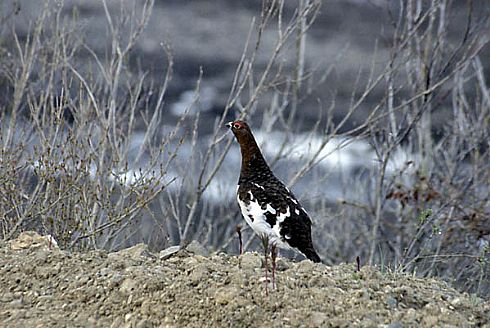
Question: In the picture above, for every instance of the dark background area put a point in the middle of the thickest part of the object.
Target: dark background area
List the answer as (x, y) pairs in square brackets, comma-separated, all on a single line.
[(350, 35)]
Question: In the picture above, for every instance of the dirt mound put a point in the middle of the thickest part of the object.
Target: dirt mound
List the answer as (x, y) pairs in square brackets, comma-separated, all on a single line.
[(42, 286)]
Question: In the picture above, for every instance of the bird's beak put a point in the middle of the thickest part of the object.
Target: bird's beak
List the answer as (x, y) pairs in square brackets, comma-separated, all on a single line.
[(229, 125)]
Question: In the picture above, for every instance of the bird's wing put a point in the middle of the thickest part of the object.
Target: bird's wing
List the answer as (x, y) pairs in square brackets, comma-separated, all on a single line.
[(271, 209), (277, 203)]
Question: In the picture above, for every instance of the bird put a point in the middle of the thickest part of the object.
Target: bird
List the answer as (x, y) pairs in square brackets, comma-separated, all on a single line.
[(267, 205)]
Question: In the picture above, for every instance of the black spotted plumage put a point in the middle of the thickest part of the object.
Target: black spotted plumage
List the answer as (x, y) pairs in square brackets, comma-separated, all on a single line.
[(266, 204)]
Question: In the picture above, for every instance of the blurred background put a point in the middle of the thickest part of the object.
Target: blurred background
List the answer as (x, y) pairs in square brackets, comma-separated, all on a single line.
[(347, 37), (376, 113)]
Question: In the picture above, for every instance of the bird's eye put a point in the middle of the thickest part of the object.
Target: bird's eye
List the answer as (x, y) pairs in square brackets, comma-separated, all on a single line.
[(236, 126)]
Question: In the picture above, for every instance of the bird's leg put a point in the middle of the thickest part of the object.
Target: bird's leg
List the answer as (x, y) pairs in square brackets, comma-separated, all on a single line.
[(273, 259), (265, 244), (239, 232)]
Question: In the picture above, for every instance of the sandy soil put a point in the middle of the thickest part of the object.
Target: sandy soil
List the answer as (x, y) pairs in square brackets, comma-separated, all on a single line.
[(42, 286)]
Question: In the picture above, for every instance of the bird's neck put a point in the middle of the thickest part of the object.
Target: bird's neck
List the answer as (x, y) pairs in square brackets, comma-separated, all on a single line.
[(253, 162)]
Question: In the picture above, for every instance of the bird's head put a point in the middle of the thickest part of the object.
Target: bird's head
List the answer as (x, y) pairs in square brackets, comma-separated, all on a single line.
[(240, 129), (248, 146)]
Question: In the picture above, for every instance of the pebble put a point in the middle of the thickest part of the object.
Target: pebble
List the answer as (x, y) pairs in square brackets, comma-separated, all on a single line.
[(168, 252), (128, 285), (196, 248), (7, 297), (16, 304), (391, 302)]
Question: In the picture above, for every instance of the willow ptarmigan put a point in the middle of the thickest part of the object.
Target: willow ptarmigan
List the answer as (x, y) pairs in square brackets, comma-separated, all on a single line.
[(266, 204)]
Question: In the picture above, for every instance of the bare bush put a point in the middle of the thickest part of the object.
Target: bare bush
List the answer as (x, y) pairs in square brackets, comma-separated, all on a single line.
[(427, 211), (68, 130)]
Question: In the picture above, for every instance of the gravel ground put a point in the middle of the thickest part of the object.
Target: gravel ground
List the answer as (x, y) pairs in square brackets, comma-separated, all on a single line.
[(42, 286)]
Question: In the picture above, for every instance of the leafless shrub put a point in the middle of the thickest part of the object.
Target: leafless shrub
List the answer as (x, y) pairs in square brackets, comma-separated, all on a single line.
[(67, 133), (428, 213)]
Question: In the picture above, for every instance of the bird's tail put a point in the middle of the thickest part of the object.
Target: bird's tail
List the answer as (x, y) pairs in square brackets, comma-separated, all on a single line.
[(311, 255)]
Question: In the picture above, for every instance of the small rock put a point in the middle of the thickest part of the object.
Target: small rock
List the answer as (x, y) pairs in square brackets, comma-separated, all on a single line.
[(115, 280), (432, 308), (146, 307), (128, 285), (305, 266), (196, 248), (83, 280), (391, 302), (197, 275), (29, 268), (320, 281), (7, 297), (456, 301), (16, 315), (17, 304), (224, 296), (168, 252), (337, 309), (411, 315), (395, 325)]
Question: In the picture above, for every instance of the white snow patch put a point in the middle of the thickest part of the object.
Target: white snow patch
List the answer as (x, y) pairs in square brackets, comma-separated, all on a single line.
[(339, 152)]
